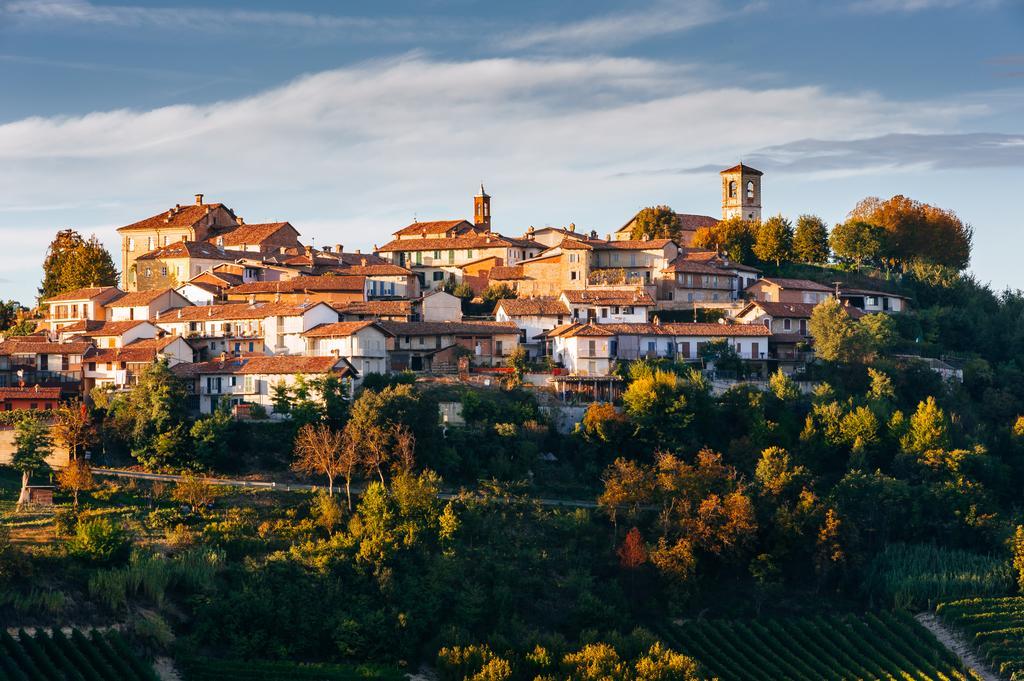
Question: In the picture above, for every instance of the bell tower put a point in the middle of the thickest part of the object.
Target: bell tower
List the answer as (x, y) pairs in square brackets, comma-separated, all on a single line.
[(741, 193), (482, 209)]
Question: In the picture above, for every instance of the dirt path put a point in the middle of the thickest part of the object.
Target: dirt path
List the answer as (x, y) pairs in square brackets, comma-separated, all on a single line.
[(958, 645)]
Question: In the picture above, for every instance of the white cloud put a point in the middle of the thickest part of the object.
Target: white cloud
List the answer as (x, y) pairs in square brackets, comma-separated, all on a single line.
[(623, 28), (348, 155), (884, 6)]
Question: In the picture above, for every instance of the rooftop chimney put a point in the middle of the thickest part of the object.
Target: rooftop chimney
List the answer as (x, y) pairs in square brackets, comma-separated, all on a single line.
[(362, 261), (240, 219), (338, 248), (309, 251), (358, 251), (199, 199)]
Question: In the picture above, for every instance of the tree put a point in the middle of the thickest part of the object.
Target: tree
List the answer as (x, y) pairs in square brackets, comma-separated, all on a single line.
[(349, 461), (319, 449), (1017, 544), (463, 290), (928, 430), (627, 484), (837, 338), (773, 241), (810, 242), (775, 473), (72, 262), (783, 387), (10, 312), (210, 437), (495, 292), (656, 402), (633, 552), (916, 231), (194, 491), (76, 477), (73, 428), (151, 417), (857, 242), (655, 222), (733, 236), (32, 445), (517, 362)]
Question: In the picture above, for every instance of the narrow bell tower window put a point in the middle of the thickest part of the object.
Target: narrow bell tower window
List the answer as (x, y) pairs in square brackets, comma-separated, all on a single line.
[(732, 189), (750, 189)]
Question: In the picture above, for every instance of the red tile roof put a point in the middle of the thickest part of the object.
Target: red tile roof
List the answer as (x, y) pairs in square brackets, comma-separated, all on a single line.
[(392, 308), (19, 346), (468, 241), (192, 249), (29, 392), (342, 329), (608, 297), (798, 284), (376, 270), (300, 284), (188, 215), (250, 234), (138, 298), (436, 227), (263, 364), (506, 273), (92, 328), (576, 329), (232, 311), (532, 306), (450, 328), (89, 293), (631, 244)]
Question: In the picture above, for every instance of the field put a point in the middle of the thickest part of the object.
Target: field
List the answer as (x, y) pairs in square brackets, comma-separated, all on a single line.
[(883, 646), (995, 626), (99, 657)]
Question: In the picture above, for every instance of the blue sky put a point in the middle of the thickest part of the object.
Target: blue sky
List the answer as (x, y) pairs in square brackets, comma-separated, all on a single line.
[(349, 119)]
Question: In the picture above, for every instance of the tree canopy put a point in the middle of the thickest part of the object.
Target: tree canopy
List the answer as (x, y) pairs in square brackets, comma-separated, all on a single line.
[(655, 222), (810, 241), (73, 262)]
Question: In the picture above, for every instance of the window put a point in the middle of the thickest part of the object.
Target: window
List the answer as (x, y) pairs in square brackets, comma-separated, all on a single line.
[(498, 348), (651, 347), (451, 257), (591, 348), (149, 272), (438, 276), (165, 239), (604, 312), (732, 189), (750, 189), (469, 252), (574, 275), (149, 243), (163, 271), (437, 255), (787, 324), (131, 244)]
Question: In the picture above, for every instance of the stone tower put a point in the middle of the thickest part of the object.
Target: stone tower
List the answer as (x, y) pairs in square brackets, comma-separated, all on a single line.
[(741, 192), (482, 209)]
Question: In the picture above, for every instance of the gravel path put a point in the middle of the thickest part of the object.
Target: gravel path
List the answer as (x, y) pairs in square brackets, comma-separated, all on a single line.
[(958, 645)]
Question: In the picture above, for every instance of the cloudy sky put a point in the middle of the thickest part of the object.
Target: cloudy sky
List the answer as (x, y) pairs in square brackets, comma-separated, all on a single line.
[(350, 120)]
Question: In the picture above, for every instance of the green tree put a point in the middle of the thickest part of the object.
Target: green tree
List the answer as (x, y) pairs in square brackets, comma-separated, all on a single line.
[(656, 403), (517, 362), (150, 418), (10, 313), (32, 445), (775, 473), (495, 292), (773, 240), (73, 262), (783, 387), (210, 437), (1017, 544), (837, 338), (929, 428), (655, 222), (463, 290), (810, 242), (857, 242)]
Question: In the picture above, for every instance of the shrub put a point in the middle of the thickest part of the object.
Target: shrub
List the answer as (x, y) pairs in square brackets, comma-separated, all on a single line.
[(64, 521), (153, 630), (100, 540)]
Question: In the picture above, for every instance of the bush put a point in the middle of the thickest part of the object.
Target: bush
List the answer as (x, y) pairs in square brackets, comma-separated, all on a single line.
[(100, 540), (153, 630), (64, 521)]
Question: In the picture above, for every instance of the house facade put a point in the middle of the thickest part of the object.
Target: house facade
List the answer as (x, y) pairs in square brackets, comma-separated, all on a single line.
[(363, 344), (84, 304)]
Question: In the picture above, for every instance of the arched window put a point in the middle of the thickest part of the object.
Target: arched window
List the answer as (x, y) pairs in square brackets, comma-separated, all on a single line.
[(750, 189), (732, 189)]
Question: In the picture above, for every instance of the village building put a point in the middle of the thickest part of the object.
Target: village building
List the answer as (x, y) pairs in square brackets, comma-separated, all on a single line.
[(109, 334), (437, 346), (533, 317), (779, 290), (607, 305), (326, 288), (33, 397), (79, 305), (363, 344), (118, 368), (870, 301), (701, 278), (144, 304), (274, 328), (252, 379), (384, 310), (34, 360)]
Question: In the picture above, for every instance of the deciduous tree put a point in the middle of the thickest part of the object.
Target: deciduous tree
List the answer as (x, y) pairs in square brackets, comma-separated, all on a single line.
[(773, 240), (32, 444), (319, 450), (655, 222), (733, 236), (810, 241), (76, 477), (857, 242)]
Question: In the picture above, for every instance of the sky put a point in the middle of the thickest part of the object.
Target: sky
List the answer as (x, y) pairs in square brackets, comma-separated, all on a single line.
[(350, 120)]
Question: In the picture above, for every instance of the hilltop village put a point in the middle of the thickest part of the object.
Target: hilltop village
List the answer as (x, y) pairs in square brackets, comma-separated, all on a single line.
[(236, 307)]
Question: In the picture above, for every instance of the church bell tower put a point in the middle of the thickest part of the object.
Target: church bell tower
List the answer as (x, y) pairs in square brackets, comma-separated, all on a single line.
[(482, 209), (741, 193)]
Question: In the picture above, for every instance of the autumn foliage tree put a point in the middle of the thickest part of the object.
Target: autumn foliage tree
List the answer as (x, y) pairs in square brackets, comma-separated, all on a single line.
[(76, 477), (74, 262), (916, 231), (655, 222), (733, 236), (319, 449)]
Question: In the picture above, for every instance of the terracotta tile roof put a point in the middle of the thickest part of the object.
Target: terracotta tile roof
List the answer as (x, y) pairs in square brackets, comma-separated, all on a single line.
[(715, 330), (229, 278), (17, 346), (506, 273), (449, 328), (376, 270), (128, 353), (29, 392), (192, 249), (204, 285), (744, 168), (793, 310), (570, 243), (180, 216), (357, 258), (532, 306), (608, 297), (88, 293), (264, 364), (469, 241), (436, 227), (376, 307), (137, 298), (300, 284), (250, 234), (341, 329), (93, 328), (632, 244), (798, 284), (583, 330), (232, 311), (695, 267)]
